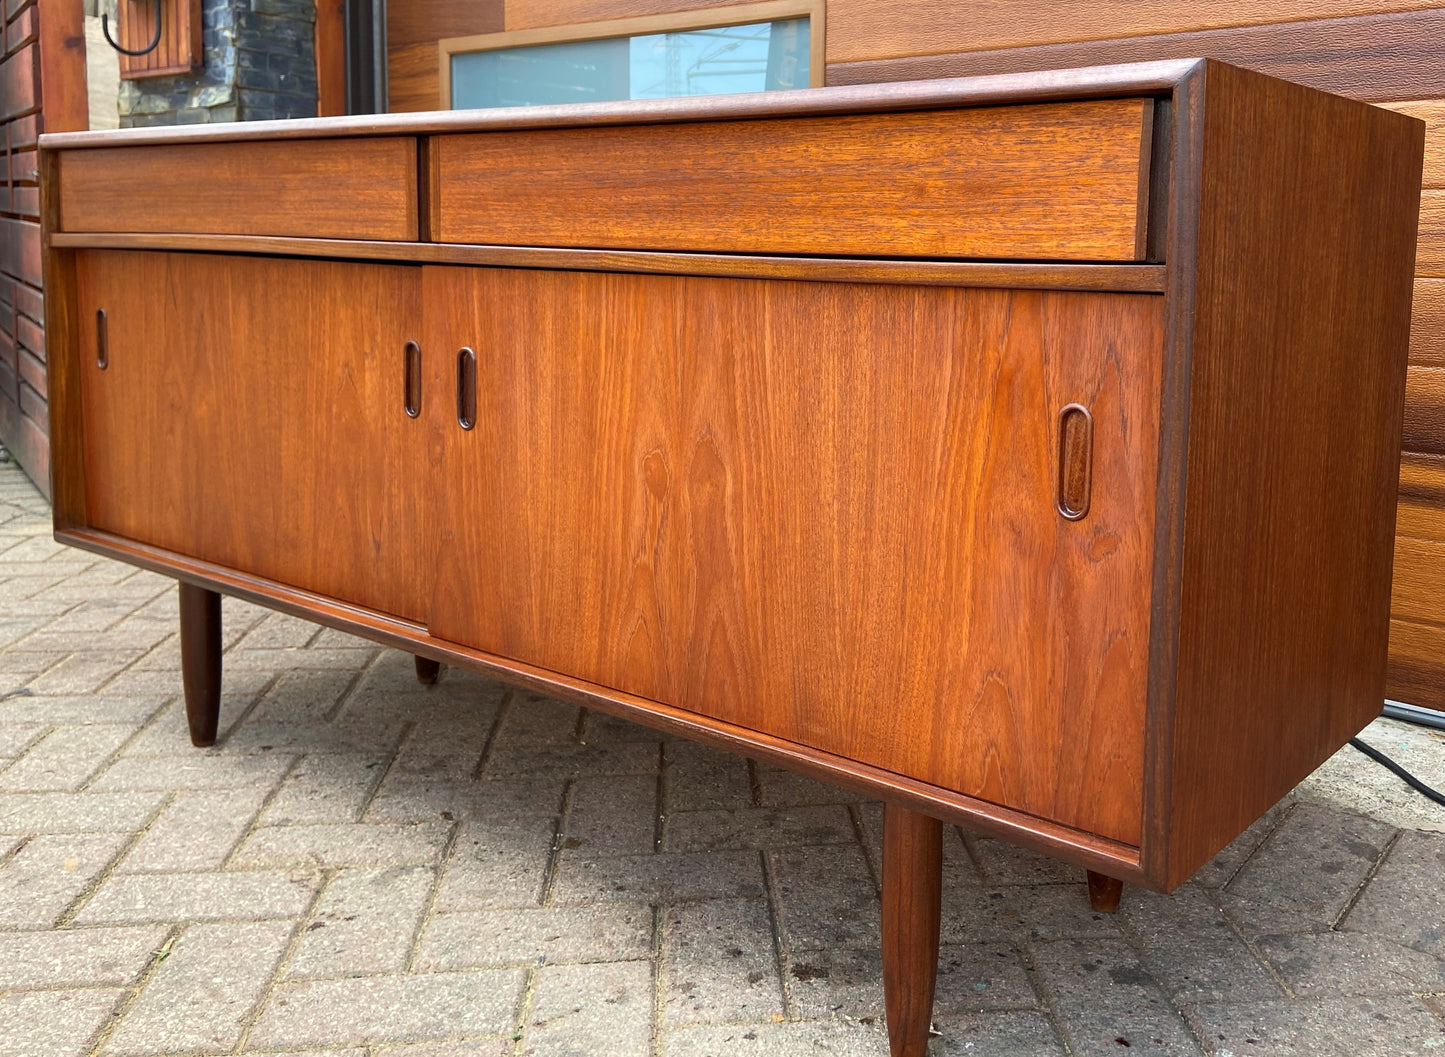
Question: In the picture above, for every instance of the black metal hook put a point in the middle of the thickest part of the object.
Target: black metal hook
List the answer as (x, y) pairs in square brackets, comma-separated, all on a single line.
[(155, 41)]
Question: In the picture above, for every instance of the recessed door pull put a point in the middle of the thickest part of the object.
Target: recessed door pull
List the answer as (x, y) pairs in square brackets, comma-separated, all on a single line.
[(411, 379), (1076, 461), (466, 388), (102, 340)]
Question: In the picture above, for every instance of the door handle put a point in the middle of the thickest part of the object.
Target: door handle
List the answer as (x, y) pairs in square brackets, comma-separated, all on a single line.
[(1076, 461), (466, 388), (102, 339), (411, 379)]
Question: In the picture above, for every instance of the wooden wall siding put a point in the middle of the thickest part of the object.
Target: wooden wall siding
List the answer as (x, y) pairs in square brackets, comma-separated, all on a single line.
[(30, 44), (179, 47)]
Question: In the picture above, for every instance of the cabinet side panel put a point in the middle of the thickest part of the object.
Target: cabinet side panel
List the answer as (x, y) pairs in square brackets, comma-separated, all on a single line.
[(821, 511), (251, 414), (1304, 261)]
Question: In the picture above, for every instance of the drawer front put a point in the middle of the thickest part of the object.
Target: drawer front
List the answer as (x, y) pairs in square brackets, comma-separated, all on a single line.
[(338, 189), (1062, 181), (818, 510)]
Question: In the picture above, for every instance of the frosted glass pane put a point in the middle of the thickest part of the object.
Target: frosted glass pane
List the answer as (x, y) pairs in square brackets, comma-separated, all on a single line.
[(753, 58)]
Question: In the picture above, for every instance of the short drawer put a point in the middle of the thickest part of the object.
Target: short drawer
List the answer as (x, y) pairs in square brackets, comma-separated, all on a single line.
[(336, 188), (1066, 181)]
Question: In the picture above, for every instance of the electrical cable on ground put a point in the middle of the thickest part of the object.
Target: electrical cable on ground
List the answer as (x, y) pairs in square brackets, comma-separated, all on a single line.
[(1410, 780)]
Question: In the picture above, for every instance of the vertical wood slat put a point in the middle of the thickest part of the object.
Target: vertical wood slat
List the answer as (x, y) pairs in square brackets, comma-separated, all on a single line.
[(179, 50)]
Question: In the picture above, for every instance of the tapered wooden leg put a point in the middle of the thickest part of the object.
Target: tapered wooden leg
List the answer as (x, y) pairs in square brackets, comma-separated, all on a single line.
[(201, 661), (1104, 892), (427, 670), (912, 892)]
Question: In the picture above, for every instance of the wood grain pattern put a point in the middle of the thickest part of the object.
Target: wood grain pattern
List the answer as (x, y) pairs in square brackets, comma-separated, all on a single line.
[(1374, 57), (67, 466), (251, 415), (413, 77), (1430, 253), (1422, 476), (1422, 519), (1058, 181), (330, 39), (912, 905), (363, 188), (687, 520), (1432, 112), (1415, 652), (1033, 275), (1285, 598), (878, 29), (530, 14), (1427, 324), (1087, 850), (425, 22), (1419, 581), (1425, 412)]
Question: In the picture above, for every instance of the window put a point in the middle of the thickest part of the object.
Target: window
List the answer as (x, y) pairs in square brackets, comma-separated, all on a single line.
[(747, 48)]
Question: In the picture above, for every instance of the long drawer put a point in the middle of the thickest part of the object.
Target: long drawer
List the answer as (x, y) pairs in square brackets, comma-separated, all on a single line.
[(1065, 181)]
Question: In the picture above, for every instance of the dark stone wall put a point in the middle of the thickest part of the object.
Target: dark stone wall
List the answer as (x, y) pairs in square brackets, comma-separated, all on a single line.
[(259, 64)]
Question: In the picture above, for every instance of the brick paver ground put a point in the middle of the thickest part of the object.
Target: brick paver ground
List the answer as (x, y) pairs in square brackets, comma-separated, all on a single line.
[(369, 867)]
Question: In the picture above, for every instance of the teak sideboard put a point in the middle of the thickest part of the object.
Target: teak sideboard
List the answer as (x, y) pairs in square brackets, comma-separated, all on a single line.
[(1019, 450)]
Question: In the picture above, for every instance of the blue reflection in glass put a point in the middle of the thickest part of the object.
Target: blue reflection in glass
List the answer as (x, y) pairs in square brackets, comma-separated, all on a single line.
[(752, 58)]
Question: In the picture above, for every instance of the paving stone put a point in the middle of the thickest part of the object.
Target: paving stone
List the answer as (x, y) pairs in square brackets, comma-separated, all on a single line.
[(49, 873), (613, 816), (1351, 780), (497, 863), (990, 1034), (15, 738), (77, 812), (826, 898), (1102, 994), (600, 727), (476, 1048), (787, 789), (578, 1009), (531, 719), (663, 878), (279, 630), (573, 759), (720, 963), (1191, 949), (64, 759), (837, 1038), (287, 659), (196, 832), (1351, 963), (374, 1009), (605, 932), (128, 898), (365, 735), (324, 846), (1321, 1028), (447, 725), (54, 1023), (1220, 870), (195, 770), (102, 708), (77, 957), (364, 922), (1307, 872), (758, 827), (1402, 903), (975, 977), (418, 798), (201, 995), (302, 698), (326, 788), (82, 672), (1008, 864), (700, 777)]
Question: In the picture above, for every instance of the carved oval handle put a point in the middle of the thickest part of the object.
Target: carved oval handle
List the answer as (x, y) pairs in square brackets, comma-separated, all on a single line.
[(466, 388), (411, 379), (1076, 461), (102, 340)]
